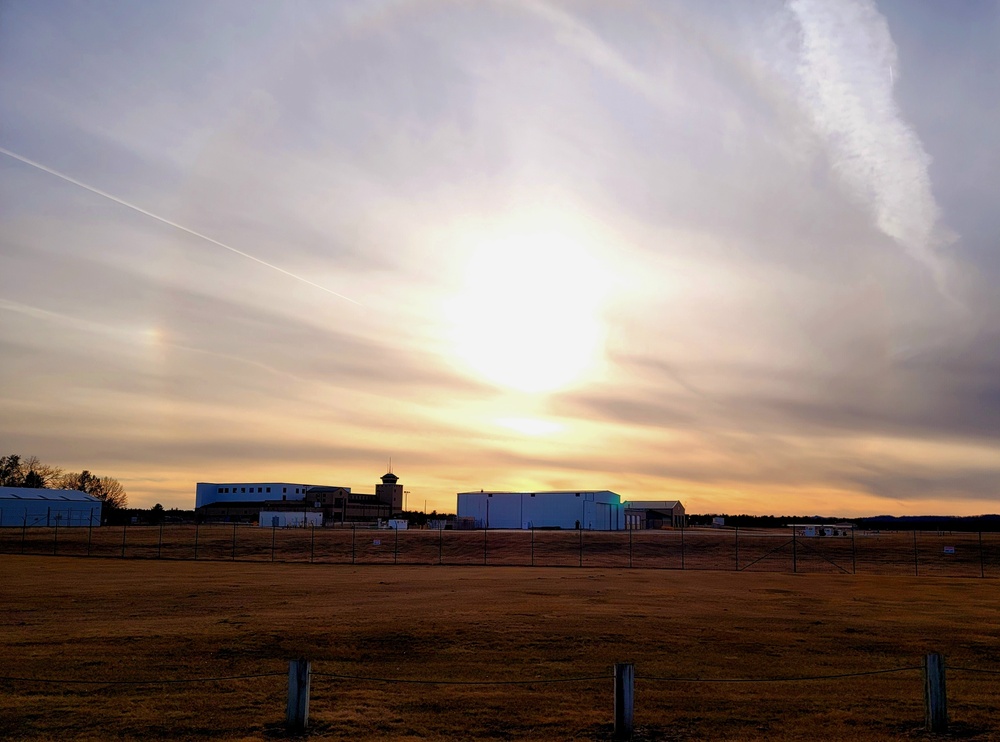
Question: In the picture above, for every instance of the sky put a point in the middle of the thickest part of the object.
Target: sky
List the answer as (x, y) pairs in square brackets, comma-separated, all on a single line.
[(741, 254)]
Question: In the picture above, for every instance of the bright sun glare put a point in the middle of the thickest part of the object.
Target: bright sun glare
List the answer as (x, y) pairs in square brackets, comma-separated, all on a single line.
[(529, 316)]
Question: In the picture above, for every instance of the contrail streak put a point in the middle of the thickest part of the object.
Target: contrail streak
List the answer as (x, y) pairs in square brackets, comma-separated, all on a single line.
[(175, 225)]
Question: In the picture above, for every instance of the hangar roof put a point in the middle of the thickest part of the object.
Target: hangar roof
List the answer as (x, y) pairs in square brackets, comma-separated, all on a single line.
[(29, 493)]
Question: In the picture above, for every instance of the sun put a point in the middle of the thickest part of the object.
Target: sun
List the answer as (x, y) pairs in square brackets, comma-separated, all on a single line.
[(529, 316)]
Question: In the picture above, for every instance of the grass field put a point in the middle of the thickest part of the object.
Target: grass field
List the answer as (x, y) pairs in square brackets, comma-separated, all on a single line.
[(132, 620)]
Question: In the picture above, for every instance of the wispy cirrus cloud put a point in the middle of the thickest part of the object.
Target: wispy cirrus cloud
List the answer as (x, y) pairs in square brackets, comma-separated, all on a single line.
[(847, 70)]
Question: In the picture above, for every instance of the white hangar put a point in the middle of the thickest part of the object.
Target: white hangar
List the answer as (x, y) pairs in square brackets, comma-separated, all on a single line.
[(26, 506), (590, 510)]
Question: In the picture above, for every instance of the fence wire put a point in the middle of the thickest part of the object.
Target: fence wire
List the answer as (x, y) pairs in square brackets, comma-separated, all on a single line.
[(945, 554)]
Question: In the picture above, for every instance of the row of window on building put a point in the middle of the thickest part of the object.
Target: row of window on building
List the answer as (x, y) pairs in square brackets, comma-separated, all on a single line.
[(243, 490)]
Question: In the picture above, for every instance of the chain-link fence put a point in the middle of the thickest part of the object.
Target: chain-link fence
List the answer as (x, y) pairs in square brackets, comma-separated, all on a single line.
[(858, 552)]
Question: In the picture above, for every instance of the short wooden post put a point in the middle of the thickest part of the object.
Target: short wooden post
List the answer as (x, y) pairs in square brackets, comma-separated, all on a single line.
[(299, 675), (935, 699), (624, 697)]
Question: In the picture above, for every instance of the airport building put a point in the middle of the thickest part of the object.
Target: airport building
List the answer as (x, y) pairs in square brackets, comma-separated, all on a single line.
[(642, 514), (591, 510), (25, 506), (237, 502)]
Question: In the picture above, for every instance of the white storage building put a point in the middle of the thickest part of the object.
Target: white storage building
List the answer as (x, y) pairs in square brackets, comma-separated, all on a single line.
[(290, 518), (207, 493), (25, 506), (591, 510)]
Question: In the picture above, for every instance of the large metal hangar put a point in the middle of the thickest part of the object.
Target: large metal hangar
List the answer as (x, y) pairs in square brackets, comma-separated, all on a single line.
[(591, 510), (25, 506)]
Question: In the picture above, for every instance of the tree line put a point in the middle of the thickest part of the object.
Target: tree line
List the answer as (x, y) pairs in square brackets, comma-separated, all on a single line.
[(32, 473)]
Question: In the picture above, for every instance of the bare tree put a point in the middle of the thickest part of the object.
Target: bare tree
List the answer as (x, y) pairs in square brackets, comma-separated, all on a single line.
[(47, 474), (107, 489)]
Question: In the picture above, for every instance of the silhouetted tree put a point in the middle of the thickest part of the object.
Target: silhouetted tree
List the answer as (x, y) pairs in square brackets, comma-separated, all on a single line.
[(33, 480), (107, 489)]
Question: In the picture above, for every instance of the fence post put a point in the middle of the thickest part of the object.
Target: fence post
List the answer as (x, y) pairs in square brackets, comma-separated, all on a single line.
[(629, 545), (197, 527), (854, 555), (90, 531), (234, 542), (935, 699), (55, 538), (737, 548), (24, 529), (395, 546), (441, 546), (299, 676), (683, 528), (486, 536), (354, 536), (982, 566), (159, 543), (312, 544), (624, 697), (795, 554), (124, 532), (580, 531), (916, 562)]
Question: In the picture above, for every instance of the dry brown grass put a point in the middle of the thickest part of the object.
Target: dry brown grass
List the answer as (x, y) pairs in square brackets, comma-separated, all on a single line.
[(100, 619)]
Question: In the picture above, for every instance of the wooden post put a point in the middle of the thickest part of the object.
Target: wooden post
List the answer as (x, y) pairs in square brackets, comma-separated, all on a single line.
[(624, 697), (299, 676), (935, 700)]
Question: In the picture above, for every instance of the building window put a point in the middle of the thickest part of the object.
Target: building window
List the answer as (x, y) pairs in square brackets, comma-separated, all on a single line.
[(243, 489), (269, 490), (260, 489), (532, 494), (284, 489), (219, 489)]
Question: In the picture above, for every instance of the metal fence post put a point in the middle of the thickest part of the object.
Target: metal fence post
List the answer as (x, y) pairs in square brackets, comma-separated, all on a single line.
[(55, 538), (795, 555), (274, 530), (854, 555), (124, 532), (629, 545), (197, 527), (916, 562), (395, 546), (312, 544), (580, 531), (24, 529), (982, 565), (440, 546), (737, 548), (354, 536), (624, 697), (299, 677), (935, 699), (486, 536), (90, 531), (682, 545), (234, 542), (159, 543)]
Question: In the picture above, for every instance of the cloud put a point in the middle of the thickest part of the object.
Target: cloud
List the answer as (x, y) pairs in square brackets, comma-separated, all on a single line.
[(847, 69)]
